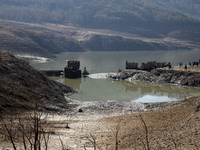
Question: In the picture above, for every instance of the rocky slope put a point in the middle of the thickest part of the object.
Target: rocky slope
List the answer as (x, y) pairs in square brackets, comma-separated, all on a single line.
[(21, 87), (119, 43), (36, 43), (48, 39), (161, 76)]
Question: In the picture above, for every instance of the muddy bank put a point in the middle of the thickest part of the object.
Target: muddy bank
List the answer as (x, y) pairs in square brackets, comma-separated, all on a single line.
[(160, 76), (101, 109)]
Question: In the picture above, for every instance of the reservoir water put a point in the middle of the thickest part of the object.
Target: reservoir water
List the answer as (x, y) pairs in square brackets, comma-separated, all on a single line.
[(96, 87)]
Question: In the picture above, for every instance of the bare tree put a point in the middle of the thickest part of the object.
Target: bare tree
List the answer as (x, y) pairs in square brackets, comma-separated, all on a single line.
[(10, 132), (146, 134), (30, 130), (22, 130), (116, 135), (92, 139)]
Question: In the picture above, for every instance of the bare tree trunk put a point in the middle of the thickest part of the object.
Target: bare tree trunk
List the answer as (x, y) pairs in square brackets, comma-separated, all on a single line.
[(116, 136), (22, 130), (146, 132), (46, 139), (9, 131)]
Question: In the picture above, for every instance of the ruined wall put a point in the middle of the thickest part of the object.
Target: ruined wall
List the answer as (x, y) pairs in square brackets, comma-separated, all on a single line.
[(72, 69), (70, 73), (151, 65), (131, 65), (160, 65), (145, 66), (73, 64)]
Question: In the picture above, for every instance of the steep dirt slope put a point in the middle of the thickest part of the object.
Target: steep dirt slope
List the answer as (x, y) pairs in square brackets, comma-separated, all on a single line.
[(21, 86), (35, 42)]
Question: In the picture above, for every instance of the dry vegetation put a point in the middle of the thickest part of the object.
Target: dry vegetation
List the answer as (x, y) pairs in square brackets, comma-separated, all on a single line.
[(189, 68), (174, 128)]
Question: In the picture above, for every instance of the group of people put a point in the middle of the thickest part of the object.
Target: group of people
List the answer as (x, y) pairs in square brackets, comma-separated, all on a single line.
[(194, 63)]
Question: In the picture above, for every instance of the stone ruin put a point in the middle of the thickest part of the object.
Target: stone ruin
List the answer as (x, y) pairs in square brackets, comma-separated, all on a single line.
[(145, 66), (131, 65), (152, 64), (72, 69)]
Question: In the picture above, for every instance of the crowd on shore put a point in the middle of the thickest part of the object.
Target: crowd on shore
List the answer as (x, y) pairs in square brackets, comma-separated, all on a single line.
[(194, 63)]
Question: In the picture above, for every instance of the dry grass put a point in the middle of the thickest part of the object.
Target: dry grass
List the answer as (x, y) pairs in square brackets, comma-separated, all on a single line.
[(182, 68), (189, 68), (132, 132)]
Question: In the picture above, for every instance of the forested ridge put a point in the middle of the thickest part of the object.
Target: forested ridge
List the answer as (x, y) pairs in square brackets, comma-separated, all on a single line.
[(98, 13), (98, 25), (190, 7)]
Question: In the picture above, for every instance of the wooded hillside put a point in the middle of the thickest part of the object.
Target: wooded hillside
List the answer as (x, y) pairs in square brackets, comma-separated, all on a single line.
[(113, 14), (190, 7), (98, 25)]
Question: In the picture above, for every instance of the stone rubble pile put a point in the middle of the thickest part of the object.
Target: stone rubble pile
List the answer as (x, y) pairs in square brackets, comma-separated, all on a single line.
[(160, 76)]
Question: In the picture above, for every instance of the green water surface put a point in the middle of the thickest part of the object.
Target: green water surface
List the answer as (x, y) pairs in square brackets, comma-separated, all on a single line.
[(91, 89)]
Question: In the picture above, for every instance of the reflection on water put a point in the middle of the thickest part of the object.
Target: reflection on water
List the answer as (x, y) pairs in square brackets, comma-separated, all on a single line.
[(112, 90)]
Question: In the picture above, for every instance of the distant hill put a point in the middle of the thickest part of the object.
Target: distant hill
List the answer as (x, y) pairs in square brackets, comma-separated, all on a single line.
[(52, 39), (35, 42), (21, 87), (117, 43), (48, 27), (133, 16), (189, 7)]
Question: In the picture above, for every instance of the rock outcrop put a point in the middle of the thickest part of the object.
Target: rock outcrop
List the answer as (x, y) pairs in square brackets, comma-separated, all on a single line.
[(161, 76)]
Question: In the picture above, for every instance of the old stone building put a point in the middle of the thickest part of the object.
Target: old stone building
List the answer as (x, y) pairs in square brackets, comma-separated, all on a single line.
[(72, 69)]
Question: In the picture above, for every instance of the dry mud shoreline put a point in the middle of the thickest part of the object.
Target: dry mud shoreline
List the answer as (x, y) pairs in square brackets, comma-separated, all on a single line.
[(177, 76), (158, 76)]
